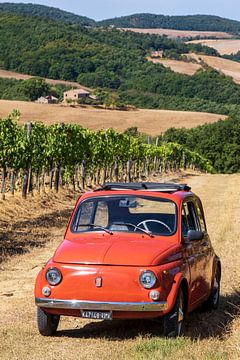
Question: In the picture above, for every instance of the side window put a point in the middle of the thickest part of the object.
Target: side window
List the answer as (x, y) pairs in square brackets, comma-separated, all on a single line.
[(200, 216), (84, 216), (190, 219), (101, 216), (184, 220)]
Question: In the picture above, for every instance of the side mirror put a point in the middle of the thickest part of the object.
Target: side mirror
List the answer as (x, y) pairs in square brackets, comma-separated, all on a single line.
[(194, 235)]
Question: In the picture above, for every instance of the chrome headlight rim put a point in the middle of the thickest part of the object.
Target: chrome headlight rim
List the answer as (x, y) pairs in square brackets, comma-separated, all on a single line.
[(58, 277), (151, 284)]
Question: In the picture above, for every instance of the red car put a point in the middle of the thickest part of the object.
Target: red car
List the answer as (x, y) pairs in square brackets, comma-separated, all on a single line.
[(131, 250)]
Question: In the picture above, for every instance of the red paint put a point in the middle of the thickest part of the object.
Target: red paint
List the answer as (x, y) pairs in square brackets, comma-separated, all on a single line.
[(119, 259)]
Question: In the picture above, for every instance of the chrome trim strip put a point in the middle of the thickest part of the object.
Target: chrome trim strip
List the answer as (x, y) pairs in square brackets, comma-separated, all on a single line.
[(100, 305)]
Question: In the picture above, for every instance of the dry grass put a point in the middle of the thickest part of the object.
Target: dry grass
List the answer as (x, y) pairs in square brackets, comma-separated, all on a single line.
[(152, 122), (224, 66), (14, 75), (209, 336), (178, 66), (222, 46), (180, 33)]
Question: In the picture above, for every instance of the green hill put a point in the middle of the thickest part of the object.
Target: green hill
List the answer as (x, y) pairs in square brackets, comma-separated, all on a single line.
[(47, 12), (189, 22), (114, 61)]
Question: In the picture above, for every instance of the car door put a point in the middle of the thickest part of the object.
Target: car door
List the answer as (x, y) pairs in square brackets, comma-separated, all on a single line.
[(195, 253), (207, 249)]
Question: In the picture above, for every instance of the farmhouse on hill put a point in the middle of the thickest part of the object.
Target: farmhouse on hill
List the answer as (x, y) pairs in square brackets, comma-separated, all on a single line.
[(76, 94)]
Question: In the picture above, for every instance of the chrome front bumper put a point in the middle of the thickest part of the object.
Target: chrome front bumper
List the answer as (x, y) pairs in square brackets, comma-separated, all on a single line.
[(101, 305)]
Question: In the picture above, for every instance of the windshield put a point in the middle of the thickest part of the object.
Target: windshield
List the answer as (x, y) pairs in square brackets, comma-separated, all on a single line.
[(126, 214)]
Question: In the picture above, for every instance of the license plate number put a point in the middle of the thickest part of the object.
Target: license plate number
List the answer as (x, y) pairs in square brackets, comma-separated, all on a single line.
[(97, 315)]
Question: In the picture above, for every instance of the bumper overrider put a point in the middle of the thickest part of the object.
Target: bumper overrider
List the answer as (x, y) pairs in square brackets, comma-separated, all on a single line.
[(100, 305)]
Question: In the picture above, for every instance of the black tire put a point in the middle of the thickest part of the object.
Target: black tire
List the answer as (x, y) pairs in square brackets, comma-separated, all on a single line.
[(173, 321), (213, 301), (47, 323)]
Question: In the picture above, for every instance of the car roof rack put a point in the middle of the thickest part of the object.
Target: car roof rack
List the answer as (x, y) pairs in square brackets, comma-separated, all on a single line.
[(150, 186)]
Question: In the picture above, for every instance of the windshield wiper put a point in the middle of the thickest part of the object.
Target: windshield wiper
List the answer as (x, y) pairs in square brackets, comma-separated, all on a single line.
[(149, 233), (96, 226)]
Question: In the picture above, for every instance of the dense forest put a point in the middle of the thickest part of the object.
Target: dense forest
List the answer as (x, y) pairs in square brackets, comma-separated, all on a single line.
[(218, 142), (46, 12), (113, 60), (189, 22)]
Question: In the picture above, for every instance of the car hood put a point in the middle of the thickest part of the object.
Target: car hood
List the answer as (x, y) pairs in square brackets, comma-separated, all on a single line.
[(116, 249)]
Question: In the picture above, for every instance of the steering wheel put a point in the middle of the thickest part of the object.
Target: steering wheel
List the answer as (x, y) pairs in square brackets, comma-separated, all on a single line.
[(144, 224)]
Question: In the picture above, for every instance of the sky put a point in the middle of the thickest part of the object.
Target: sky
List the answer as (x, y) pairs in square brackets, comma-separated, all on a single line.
[(103, 9)]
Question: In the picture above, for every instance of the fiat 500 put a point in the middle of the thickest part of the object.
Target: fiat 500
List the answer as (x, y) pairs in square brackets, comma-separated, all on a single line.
[(131, 250)]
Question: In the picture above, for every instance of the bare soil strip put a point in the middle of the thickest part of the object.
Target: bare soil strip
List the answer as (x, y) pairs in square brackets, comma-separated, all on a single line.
[(152, 122), (208, 335)]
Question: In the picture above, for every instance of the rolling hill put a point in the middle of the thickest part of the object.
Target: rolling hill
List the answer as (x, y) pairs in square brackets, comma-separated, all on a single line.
[(46, 12), (144, 20), (188, 22), (114, 61)]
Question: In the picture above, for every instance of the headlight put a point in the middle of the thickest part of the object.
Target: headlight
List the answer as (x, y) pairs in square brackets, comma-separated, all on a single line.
[(147, 279), (53, 276)]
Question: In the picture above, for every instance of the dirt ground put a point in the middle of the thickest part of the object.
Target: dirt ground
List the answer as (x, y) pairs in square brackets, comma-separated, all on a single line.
[(181, 33), (152, 122), (41, 221), (223, 46)]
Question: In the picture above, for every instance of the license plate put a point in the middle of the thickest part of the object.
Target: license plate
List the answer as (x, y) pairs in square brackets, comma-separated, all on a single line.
[(97, 315)]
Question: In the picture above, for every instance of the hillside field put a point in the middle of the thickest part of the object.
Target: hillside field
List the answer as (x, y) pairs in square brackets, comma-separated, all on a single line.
[(152, 122), (178, 66), (181, 33), (36, 226), (223, 46), (223, 66)]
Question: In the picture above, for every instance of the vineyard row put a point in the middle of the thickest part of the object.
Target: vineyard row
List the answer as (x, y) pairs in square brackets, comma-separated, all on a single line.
[(36, 156)]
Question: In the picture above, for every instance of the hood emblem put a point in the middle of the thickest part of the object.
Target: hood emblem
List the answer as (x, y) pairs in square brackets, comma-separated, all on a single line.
[(98, 281)]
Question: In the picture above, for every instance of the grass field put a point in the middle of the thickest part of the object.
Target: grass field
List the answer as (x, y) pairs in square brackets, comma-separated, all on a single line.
[(152, 122), (178, 66), (41, 221), (224, 66), (180, 33), (223, 46)]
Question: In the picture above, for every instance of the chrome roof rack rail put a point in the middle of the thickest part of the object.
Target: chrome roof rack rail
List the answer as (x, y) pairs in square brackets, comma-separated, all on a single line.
[(150, 186)]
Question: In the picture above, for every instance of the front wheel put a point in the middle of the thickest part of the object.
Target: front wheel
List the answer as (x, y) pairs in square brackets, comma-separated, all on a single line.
[(173, 321), (47, 323)]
